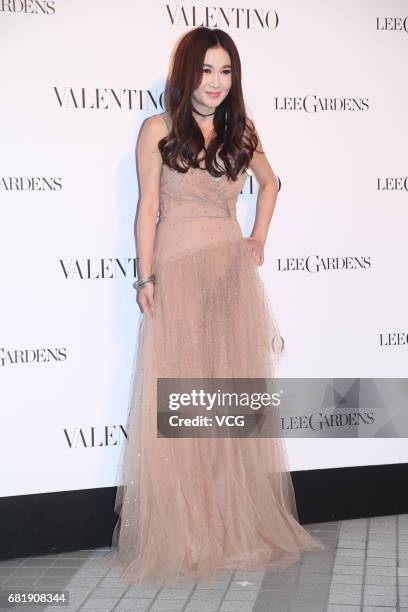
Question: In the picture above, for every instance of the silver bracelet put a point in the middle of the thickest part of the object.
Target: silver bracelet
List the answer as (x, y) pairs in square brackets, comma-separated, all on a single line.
[(144, 281)]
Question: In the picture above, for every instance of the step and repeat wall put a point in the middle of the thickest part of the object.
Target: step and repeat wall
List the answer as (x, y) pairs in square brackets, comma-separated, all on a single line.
[(326, 86)]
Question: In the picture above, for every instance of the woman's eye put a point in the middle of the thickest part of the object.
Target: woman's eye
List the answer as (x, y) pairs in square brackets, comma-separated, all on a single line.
[(207, 70)]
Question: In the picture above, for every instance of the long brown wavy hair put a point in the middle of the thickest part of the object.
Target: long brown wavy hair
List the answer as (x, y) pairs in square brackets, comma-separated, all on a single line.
[(235, 138)]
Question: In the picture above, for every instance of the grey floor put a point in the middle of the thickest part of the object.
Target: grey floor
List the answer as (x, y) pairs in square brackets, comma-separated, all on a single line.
[(364, 568)]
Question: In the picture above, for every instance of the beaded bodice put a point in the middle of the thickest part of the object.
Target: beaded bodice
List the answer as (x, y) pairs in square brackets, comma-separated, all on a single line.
[(197, 192)]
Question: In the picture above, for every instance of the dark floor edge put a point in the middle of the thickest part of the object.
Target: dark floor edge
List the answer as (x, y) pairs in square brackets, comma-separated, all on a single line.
[(64, 521)]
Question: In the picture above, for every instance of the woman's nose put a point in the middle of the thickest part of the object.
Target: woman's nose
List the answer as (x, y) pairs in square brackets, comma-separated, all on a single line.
[(215, 80)]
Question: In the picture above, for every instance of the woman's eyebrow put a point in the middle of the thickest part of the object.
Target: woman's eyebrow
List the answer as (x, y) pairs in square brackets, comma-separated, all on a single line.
[(211, 66)]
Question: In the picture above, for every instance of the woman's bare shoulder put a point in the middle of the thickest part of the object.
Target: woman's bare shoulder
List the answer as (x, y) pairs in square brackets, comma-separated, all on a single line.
[(153, 130), (156, 124)]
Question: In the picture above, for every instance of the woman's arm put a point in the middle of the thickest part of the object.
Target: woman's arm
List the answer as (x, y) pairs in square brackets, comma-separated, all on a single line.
[(149, 165), (268, 192)]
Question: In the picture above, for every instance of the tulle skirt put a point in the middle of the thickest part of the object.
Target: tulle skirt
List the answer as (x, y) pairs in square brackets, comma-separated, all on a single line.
[(189, 507)]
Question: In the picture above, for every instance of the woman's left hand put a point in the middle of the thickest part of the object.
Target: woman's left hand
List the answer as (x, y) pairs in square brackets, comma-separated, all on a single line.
[(255, 247)]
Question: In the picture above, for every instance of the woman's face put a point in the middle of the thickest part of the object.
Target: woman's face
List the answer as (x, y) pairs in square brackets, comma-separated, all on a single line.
[(216, 81)]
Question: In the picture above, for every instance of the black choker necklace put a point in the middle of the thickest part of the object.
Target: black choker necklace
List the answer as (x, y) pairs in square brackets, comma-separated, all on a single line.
[(198, 113)]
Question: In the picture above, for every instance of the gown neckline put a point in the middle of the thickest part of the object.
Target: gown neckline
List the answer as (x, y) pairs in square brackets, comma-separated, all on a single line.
[(215, 178)]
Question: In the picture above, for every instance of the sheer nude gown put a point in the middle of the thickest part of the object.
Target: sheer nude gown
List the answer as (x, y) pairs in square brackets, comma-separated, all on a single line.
[(189, 507)]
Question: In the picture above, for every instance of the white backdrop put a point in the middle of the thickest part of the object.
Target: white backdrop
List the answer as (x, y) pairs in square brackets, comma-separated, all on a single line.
[(326, 86)]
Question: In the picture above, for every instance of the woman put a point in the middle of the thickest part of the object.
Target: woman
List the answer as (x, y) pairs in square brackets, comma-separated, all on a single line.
[(191, 506)]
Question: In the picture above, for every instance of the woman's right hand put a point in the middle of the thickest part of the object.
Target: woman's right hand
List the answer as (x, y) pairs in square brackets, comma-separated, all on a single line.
[(145, 297)]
